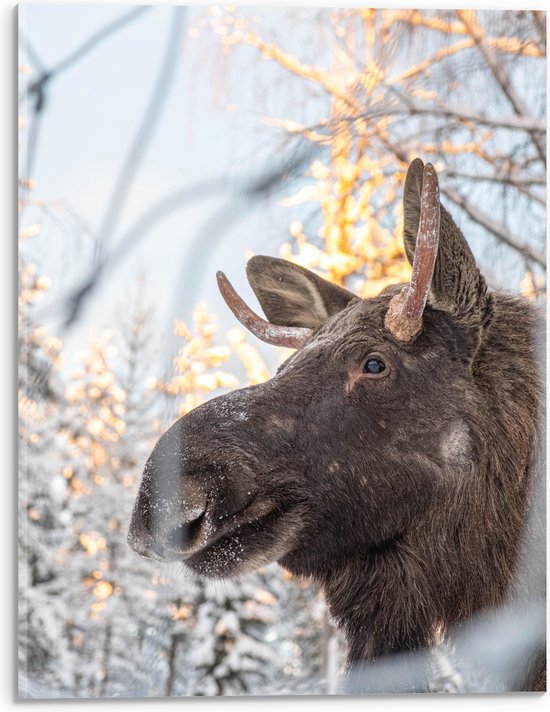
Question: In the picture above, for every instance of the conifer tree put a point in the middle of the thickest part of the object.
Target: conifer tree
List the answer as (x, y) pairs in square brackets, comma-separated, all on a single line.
[(45, 656), (121, 607), (232, 621)]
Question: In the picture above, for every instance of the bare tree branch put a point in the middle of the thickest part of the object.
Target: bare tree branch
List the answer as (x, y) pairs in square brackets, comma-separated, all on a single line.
[(497, 69), (530, 124), (251, 190), (494, 227), (498, 177), (539, 20), (502, 179), (31, 53), (146, 129), (37, 90), (97, 38), (521, 123), (488, 654)]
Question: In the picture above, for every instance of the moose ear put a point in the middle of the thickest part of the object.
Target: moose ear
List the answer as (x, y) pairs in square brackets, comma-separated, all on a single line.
[(293, 296), (457, 285)]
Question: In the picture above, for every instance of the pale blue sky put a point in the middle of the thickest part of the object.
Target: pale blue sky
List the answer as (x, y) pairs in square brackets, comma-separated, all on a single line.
[(92, 115)]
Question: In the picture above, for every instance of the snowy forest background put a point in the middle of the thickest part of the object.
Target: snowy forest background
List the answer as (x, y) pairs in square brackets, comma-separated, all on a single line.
[(316, 115)]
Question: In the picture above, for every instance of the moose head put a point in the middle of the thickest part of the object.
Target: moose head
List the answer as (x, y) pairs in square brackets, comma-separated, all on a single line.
[(366, 454)]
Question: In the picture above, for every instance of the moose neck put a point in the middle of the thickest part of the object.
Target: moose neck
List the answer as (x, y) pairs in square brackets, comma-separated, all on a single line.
[(405, 594), (374, 623), (368, 595)]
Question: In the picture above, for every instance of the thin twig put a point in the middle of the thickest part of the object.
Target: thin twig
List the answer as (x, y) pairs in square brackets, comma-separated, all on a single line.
[(494, 227), (145, 131), (497, 70), (98, 37), (269, 182), (505, 181), (37, 91), (495, 177)]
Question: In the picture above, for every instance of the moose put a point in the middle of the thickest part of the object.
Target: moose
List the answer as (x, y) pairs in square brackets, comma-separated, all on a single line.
[(392, 458)]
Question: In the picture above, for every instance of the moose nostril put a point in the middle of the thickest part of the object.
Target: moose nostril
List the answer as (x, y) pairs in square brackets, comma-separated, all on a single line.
[(177, 537), (195, 501), (183, 535)]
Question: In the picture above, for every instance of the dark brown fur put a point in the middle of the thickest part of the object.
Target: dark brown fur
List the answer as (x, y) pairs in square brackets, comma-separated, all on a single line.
[(405, 497)]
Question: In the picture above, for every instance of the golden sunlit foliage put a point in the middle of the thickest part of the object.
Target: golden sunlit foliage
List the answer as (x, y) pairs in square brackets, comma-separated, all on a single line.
[(197, 371), (353, 240), (99, 405), (533, 288), (92, 542), (354, 189), (378, 112), (32, 289)]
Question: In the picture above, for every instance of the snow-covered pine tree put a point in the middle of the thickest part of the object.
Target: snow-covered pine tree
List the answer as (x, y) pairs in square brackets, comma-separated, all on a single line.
[(231, 651), (309, 649), (154, 619), (122, 607), (93, 428), (46, 660), (233, 622)]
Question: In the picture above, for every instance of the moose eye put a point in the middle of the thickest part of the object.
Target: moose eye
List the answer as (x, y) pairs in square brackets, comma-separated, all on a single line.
[(375, 367)]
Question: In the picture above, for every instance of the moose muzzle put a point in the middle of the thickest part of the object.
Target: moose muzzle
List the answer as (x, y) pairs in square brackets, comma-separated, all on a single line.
[(199, 482), (171, 505)]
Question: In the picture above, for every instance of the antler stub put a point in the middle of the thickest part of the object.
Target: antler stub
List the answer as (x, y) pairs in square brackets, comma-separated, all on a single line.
[(290, 336), (404, 316)]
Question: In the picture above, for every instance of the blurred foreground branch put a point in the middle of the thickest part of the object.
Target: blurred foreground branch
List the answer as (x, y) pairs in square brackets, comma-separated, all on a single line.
[(487, 655), (37, 91), (248, 192)]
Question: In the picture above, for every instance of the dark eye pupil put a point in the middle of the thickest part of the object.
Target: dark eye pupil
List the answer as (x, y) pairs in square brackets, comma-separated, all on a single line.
[(374, 365)]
